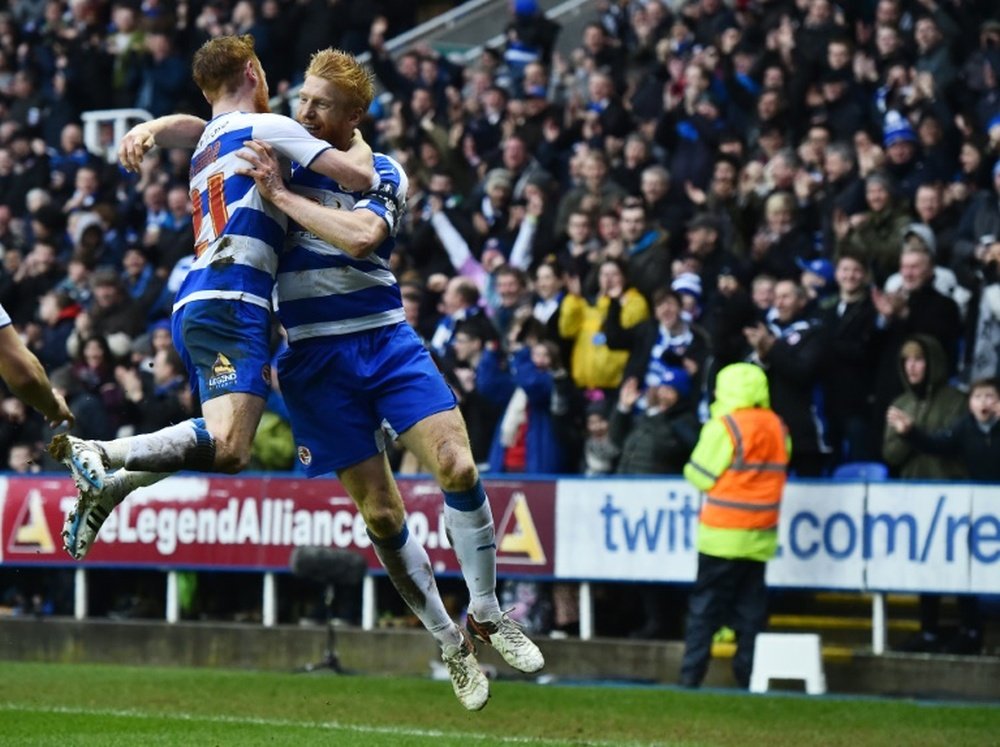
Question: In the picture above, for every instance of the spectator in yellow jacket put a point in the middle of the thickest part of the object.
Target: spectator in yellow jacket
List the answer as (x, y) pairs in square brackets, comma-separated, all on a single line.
[(594, 364)]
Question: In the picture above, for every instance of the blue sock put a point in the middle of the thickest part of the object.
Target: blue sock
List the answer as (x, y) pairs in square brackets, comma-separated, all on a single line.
[(466, 500)]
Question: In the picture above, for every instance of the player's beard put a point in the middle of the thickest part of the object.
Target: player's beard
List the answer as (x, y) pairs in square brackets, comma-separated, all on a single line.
[(261, 102)]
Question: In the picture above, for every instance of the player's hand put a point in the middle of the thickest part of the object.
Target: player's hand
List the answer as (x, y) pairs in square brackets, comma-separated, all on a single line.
[(262, 168), (137, 143), (62, 415)]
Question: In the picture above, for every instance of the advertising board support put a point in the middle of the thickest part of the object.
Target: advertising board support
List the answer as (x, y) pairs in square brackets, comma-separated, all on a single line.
[(269, 614), (369, 603), (80, 594), (173, 605), (586, 612), (878, 623)]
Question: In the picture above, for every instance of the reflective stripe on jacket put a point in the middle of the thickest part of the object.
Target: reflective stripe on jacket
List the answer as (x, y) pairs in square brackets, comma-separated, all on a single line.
[(747, 494)]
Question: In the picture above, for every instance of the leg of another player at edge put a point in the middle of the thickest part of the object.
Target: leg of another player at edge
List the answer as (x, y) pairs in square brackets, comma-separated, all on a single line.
[(373, 489), (441, 442), (219, 441)]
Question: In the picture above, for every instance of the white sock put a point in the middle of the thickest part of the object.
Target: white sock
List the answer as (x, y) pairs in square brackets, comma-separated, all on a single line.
[(123, 482), (409, 569), (472, 537), (186, 445)]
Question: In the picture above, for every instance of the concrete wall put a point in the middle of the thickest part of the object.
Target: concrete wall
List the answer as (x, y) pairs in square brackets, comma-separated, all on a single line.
[(411, 652)]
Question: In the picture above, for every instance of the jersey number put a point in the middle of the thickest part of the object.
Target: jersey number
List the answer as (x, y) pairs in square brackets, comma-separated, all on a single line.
[(217, 211)]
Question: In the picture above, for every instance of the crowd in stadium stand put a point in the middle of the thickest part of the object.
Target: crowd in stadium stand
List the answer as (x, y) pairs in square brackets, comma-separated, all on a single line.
[(589, 238)]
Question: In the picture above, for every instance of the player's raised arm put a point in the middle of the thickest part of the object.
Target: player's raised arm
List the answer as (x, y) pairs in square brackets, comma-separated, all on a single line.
[(171, 131), (24, 375), (357, 232)]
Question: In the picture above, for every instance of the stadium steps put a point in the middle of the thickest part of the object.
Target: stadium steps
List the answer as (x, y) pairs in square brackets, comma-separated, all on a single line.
[(831, 653), (844, 618)]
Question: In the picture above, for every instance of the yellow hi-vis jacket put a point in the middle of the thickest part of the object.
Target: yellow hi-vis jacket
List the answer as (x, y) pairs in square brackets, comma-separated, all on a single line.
[(740, 463)]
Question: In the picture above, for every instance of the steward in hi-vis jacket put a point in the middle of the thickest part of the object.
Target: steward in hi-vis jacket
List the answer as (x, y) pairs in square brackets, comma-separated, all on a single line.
[(740, 463)]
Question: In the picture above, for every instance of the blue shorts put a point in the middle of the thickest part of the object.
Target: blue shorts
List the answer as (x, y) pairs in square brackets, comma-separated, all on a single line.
[(225, 346), (345, 393)]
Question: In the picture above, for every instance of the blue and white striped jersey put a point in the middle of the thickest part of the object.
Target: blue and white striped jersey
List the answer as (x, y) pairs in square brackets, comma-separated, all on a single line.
[(322, 290), (238, 235), (4, 317)]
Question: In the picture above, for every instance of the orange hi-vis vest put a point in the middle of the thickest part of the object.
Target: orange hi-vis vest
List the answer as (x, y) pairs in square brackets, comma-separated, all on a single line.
[(747, 495)]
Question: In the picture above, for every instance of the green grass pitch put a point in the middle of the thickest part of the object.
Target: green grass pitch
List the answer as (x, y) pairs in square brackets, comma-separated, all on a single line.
[(102, 706)]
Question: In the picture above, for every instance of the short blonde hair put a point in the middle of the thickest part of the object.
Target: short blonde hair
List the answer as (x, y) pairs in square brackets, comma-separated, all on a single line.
[(349, 77)]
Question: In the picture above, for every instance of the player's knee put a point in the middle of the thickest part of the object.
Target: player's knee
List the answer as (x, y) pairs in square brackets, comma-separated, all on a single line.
[(384, 519), (457, 469)]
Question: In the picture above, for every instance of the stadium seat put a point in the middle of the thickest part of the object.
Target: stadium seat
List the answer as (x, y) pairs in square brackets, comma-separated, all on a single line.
[(788, 656), (867, 471)]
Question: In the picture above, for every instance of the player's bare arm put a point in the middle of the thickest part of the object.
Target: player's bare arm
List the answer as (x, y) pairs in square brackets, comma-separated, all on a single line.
[(352, 168), (356, 232), (24, 375), (172, 131)]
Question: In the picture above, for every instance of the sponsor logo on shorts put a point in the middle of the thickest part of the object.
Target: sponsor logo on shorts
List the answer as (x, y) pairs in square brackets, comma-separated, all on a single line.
[(223, 373), (305, 456)]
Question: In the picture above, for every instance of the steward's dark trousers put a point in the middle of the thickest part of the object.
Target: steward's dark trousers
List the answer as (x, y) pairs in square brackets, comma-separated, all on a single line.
[(727, 592)]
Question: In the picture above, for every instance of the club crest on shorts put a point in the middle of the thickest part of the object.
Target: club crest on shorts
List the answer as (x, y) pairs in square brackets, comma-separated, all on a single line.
[(265, 373), (305, 456), (223, 373)]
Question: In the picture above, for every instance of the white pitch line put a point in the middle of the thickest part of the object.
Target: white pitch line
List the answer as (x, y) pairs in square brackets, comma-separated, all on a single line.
[(396, 731)]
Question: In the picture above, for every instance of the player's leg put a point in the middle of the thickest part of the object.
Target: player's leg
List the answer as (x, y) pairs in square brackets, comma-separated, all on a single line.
[(337, 429), (415, 401), (405, 560)]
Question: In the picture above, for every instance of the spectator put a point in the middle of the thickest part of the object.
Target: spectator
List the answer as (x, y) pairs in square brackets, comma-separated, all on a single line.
[(852, 342), (646, 249), (928, 403), (791, 347), (595, 365), (737, 529), (875, 234)]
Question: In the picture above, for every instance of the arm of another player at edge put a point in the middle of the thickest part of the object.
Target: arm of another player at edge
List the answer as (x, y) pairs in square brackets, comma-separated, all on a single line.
[(172, 131), (357, 232), (24, 375), (351, 168)]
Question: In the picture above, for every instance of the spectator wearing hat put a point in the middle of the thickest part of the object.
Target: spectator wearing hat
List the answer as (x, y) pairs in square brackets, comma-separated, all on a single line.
[(655, 429), (688, 287), (876, 233), (656, 438), (902, 160), (817, 277), (791, 347), (852, 342)]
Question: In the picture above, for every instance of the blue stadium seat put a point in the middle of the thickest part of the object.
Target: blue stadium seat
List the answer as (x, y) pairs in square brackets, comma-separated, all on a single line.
[(867, 471)]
